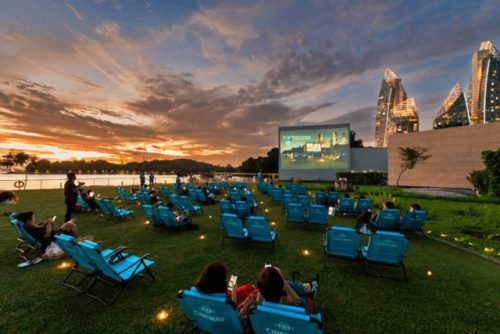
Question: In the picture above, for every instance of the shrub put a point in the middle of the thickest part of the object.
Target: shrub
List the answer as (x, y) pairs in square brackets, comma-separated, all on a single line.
[(381, 198), (487, 181), (370, 178), (480, 181)]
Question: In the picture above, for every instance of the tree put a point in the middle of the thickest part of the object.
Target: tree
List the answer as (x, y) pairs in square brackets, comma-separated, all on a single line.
[(410, 157), (355, 143)]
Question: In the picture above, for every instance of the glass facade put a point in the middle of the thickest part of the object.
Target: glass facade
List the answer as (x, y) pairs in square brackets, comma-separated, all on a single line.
[(484, 87), (396, 113), (454, 111)]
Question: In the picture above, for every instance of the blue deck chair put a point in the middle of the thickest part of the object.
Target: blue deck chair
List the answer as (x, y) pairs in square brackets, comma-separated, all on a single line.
[(242, 209), (124, 195), (116, 272), (83, 203), (169, 219), (345, 207), (249, 197), (320, 198), (188, 205), (226, 206), (71, 248), (278, 318), (287, 199), (201, 196), (387, 248), (332, 198), (277, 195), (295, 189), (176, 202), (317, 215), (302, 190), (342, 242), (151, 215), (363, 205), (143, 197), (234, 196), (304, 201), (260, 231), (103, 207), (233, 227), (164, 191), (28, 247), (117, 212), (413, 221), (193, 194), (211, 313), (387, 219), (295, 213)]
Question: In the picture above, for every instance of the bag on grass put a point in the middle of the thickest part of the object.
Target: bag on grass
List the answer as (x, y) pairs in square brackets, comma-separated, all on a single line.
[(53, 252)]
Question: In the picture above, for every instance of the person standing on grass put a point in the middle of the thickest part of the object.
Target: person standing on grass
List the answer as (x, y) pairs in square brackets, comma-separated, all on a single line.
[(151, 180), (177, 186), (142, 179), (71, 194)]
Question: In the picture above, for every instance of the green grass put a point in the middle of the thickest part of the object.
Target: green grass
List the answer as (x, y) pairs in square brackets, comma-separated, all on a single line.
[(461, 296)]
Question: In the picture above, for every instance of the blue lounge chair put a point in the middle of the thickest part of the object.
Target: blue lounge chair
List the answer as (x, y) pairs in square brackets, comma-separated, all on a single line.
[(295, 189), (115, 272), (260, 231), (176, 202), (193, 194), (413, 221), (201, 196), (28, 247), (320, 197), (83, 203), (242, 209), (233, 227), (249, 197), (117, 212), (211, 313), (226, 206), (302, 190), (103, 207), (234, 196), (332, 198), (387, 248), (152, 215), (125, 196), (345, 207), (363, 205), (387, 219), (317, 215), (295, 213), (277, 195), (71, 248), (278, 318), (342, 242), (304, 201), (287, 199), (169, 219), (164, 191), (188, 205)]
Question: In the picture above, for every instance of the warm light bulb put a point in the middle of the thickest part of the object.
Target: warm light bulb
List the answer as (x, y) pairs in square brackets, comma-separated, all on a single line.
[(429, 273), (202, 237), (146, 222), (162, 315), (63, 265), (273, 223), (444, 235), (305, 252), (266, 210), (488, 249), (261, 202)]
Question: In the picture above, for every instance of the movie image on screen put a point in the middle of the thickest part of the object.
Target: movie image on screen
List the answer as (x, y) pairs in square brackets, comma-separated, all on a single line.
[(323, 147)]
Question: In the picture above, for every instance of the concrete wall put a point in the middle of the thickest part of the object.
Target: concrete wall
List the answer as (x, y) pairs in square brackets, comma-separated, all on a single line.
[(455, 153), (369, 159)]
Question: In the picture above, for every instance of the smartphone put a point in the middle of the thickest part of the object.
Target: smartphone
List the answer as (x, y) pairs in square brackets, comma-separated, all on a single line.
[(91, 194), (267, 265), (331, 210), (54, 218), (232, 282)]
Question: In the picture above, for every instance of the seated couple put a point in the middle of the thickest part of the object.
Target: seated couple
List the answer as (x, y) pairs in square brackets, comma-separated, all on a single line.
[(271, 286), (183, 218), (365, 223), (45, 231)]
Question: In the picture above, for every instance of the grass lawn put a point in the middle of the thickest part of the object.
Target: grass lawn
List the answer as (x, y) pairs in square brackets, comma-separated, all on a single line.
[(461, 296)]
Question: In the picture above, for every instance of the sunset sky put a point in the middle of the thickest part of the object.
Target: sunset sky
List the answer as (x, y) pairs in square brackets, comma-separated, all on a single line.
[(213, 80)]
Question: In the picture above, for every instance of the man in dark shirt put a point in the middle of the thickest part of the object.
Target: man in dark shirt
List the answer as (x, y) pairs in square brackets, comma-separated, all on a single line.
[(71, 194)]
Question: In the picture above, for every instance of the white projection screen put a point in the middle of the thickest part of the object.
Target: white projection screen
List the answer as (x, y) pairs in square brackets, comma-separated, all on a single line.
[(314, 152)]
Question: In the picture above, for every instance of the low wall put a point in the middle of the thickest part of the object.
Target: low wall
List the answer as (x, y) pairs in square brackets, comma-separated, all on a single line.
[(455, 153), (369, 159)]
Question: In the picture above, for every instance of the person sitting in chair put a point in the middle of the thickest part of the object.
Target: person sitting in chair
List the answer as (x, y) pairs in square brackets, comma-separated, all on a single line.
[(364, 225), (88, 196), (44, 232), (182, 218)]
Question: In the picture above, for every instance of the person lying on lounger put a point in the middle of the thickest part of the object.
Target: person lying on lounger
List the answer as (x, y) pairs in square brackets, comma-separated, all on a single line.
[(44, 232)]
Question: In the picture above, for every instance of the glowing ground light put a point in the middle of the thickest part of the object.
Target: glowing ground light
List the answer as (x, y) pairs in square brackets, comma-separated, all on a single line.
[(444, 235), (429, 273), (273, 224), (305, 252), (63, 265), (209, 217), (429, 232), (489, 250), (162, 315), (261, 202), (471, 243), (146, 222), (202, 237), (266, 210)]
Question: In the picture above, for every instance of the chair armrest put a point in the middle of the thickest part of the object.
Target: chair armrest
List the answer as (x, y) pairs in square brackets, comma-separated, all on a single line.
[(117, 253), (140, 260)]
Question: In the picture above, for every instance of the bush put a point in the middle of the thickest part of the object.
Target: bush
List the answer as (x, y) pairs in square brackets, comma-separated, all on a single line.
[(480, 181), (371, 178)]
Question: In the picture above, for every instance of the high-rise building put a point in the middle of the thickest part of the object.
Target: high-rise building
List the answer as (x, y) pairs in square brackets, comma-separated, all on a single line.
[(454, 111), (484, 87), (396, 113)]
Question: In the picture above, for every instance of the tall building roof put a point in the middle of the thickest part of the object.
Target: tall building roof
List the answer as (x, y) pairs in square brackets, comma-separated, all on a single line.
[(389, 75), (488, 46)]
